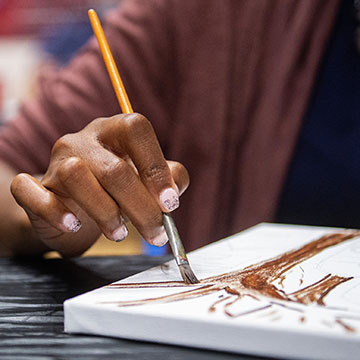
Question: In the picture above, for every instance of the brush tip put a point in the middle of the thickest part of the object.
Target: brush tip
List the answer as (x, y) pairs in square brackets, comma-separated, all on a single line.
[(188, 275)]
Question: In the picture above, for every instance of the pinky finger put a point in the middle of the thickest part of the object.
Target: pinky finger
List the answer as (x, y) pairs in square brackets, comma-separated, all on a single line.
[(41, 203)]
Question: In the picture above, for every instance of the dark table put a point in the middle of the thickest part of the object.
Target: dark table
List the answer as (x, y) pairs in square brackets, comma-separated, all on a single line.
[(32, 292)]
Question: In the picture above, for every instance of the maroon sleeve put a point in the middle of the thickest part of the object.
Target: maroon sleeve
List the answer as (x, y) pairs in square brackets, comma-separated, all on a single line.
[(139, 37)]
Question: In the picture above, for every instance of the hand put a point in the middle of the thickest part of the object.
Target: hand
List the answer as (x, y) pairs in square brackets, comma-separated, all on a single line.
[(110, 171)]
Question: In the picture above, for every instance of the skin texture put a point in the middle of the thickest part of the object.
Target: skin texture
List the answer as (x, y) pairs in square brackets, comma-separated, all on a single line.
[(111, 171), (17, 236)]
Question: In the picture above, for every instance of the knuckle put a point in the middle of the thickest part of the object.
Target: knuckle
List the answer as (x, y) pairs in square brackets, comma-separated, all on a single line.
[(116, 169), (71, 167), (64, 143), (95, 125), (136, 124)]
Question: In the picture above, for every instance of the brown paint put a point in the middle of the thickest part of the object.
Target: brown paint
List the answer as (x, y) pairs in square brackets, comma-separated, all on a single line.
[(347, 327), (301, 281), (276, 318), (317, 291), (257, 280), (213, 306)]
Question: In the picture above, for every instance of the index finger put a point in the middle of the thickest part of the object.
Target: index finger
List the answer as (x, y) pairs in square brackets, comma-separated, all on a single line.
[(135, 135)]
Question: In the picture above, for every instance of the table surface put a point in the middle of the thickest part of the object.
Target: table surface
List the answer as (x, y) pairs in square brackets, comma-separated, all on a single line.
[(32, 292)]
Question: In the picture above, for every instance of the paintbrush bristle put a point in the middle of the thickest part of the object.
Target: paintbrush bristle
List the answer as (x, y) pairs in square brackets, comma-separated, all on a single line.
[(187, 274)]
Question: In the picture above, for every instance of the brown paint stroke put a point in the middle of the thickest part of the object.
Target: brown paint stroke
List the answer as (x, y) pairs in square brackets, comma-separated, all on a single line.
[(257, 281), (347, 327)]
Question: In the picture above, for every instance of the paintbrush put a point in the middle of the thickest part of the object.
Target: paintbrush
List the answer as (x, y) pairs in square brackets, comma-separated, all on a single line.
[(174, 239)]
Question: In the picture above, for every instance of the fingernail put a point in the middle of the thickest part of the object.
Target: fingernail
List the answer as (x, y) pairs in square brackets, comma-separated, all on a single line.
[(169, 199), (120, 233), (71, 222), (160, 239)]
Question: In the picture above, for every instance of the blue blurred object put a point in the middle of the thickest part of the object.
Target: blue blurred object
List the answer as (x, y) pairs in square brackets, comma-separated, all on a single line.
[(66, 40), (152, 250)]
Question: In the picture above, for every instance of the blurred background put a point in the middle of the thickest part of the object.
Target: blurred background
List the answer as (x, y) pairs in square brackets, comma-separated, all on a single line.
[(35, 37), (35, 34)]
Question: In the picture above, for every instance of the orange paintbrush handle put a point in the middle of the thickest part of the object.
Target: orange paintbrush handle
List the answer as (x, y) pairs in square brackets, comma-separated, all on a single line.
[(170, 227), (110, 64)]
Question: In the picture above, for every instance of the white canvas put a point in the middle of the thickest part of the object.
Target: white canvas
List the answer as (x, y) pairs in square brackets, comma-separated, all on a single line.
[(311, 308)]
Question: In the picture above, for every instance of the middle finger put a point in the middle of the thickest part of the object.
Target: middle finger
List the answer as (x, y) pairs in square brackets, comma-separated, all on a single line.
[(118, 178)]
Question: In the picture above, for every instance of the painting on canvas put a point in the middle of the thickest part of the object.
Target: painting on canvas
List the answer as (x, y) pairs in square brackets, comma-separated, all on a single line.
[(273, 290)]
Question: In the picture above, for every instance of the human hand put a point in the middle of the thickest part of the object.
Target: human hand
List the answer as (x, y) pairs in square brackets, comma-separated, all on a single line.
[(111, 170)]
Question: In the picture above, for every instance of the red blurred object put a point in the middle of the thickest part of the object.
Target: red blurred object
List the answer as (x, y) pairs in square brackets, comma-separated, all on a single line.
[(1, 98), (24, 17)]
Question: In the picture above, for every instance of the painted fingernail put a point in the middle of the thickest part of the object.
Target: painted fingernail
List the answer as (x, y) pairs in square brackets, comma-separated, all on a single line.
[(71, 222), (160, 239), (120, 233), (169, 199)]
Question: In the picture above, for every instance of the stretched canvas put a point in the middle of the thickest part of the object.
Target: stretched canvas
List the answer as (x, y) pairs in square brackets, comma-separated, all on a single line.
[(274, 290)]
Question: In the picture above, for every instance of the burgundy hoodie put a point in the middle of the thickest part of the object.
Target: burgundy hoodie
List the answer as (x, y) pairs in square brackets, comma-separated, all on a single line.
[(225, 84)]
